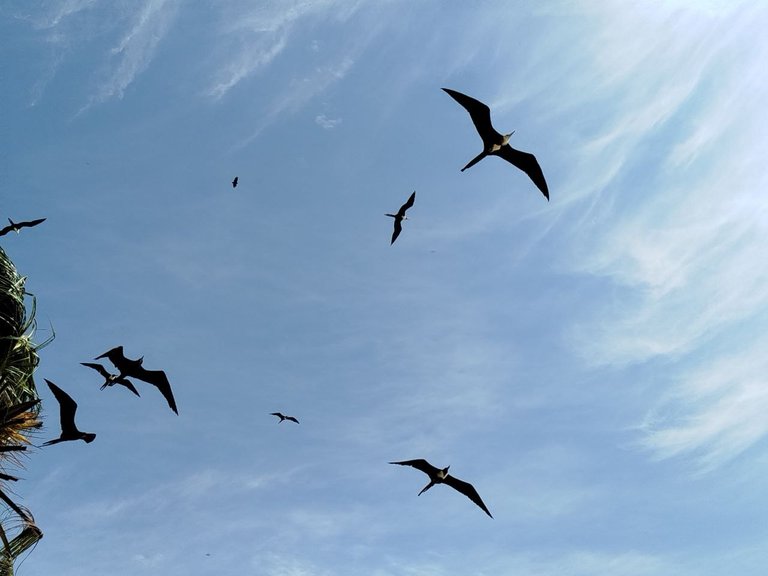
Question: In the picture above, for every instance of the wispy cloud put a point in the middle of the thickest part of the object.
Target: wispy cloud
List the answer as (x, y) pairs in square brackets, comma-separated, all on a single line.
[(682, 226), (259, 54), (52, 18), (716, 412), (302, 90), (262, 33), (273, 564), (323, 121), (568, 563), (55, 24), (137, 47)]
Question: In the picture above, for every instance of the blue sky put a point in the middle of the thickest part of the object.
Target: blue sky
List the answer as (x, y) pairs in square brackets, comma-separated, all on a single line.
[(594, 365)]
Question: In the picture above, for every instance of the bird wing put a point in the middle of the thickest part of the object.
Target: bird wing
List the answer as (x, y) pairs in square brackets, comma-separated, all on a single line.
[(158, 379), (30, 223), (527, 163), (480, 114), (5, 230), (98, 367), (276, 414), (419, 464), (407, 205), (396, 231), (128, 384), (467, 489), (292, 419), (116, 356), (67, 409)]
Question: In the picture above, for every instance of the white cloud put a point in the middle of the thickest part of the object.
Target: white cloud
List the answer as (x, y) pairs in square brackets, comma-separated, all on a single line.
[(328, 123), (272, 564), (137, 47), (261, 34), (568, 563), (299, 92), (258, 55), (717, 411), (62, 11), (683, 227)]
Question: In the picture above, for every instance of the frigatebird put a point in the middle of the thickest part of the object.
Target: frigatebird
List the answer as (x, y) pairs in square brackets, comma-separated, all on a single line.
[(498, 144), (134, 369), (400, 216), (283, 417), (67, 409), (16, 226), (441, 476), (111, 379), (234, 182)]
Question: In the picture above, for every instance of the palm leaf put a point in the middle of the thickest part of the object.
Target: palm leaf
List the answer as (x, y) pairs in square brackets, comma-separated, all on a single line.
[(19, 405)]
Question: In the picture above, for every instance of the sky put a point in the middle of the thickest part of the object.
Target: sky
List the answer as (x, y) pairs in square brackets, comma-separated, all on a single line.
[(594, 365)]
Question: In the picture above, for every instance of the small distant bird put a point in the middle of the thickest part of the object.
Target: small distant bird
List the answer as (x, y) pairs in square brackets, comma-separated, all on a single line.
[(497, 144), (16, 226), (134, 369), (67, 409), (441, 476), (234, 182), (111, 379), (400, 216), (283, 417)]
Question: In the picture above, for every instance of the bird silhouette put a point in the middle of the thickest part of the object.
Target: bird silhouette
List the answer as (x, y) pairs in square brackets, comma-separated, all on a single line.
[(400, 216), (441, 476), (67, 409), (134, 369), (111, 379), (497, 144), (234, 182), (283, 417), (16, 226)]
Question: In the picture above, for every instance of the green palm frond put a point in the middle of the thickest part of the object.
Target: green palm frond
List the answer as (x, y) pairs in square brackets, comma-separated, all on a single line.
[(19, 405)]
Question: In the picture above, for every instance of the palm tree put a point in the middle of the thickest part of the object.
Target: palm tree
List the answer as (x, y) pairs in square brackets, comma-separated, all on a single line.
[(19, 408)]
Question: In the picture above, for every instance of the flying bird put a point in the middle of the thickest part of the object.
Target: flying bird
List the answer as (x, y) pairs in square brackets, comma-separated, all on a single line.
[(498, 144), (400, 216), (16, 226), (283, 417), (441, 476), (234, 182), (111, 379), (67, 409), (134, 369)]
